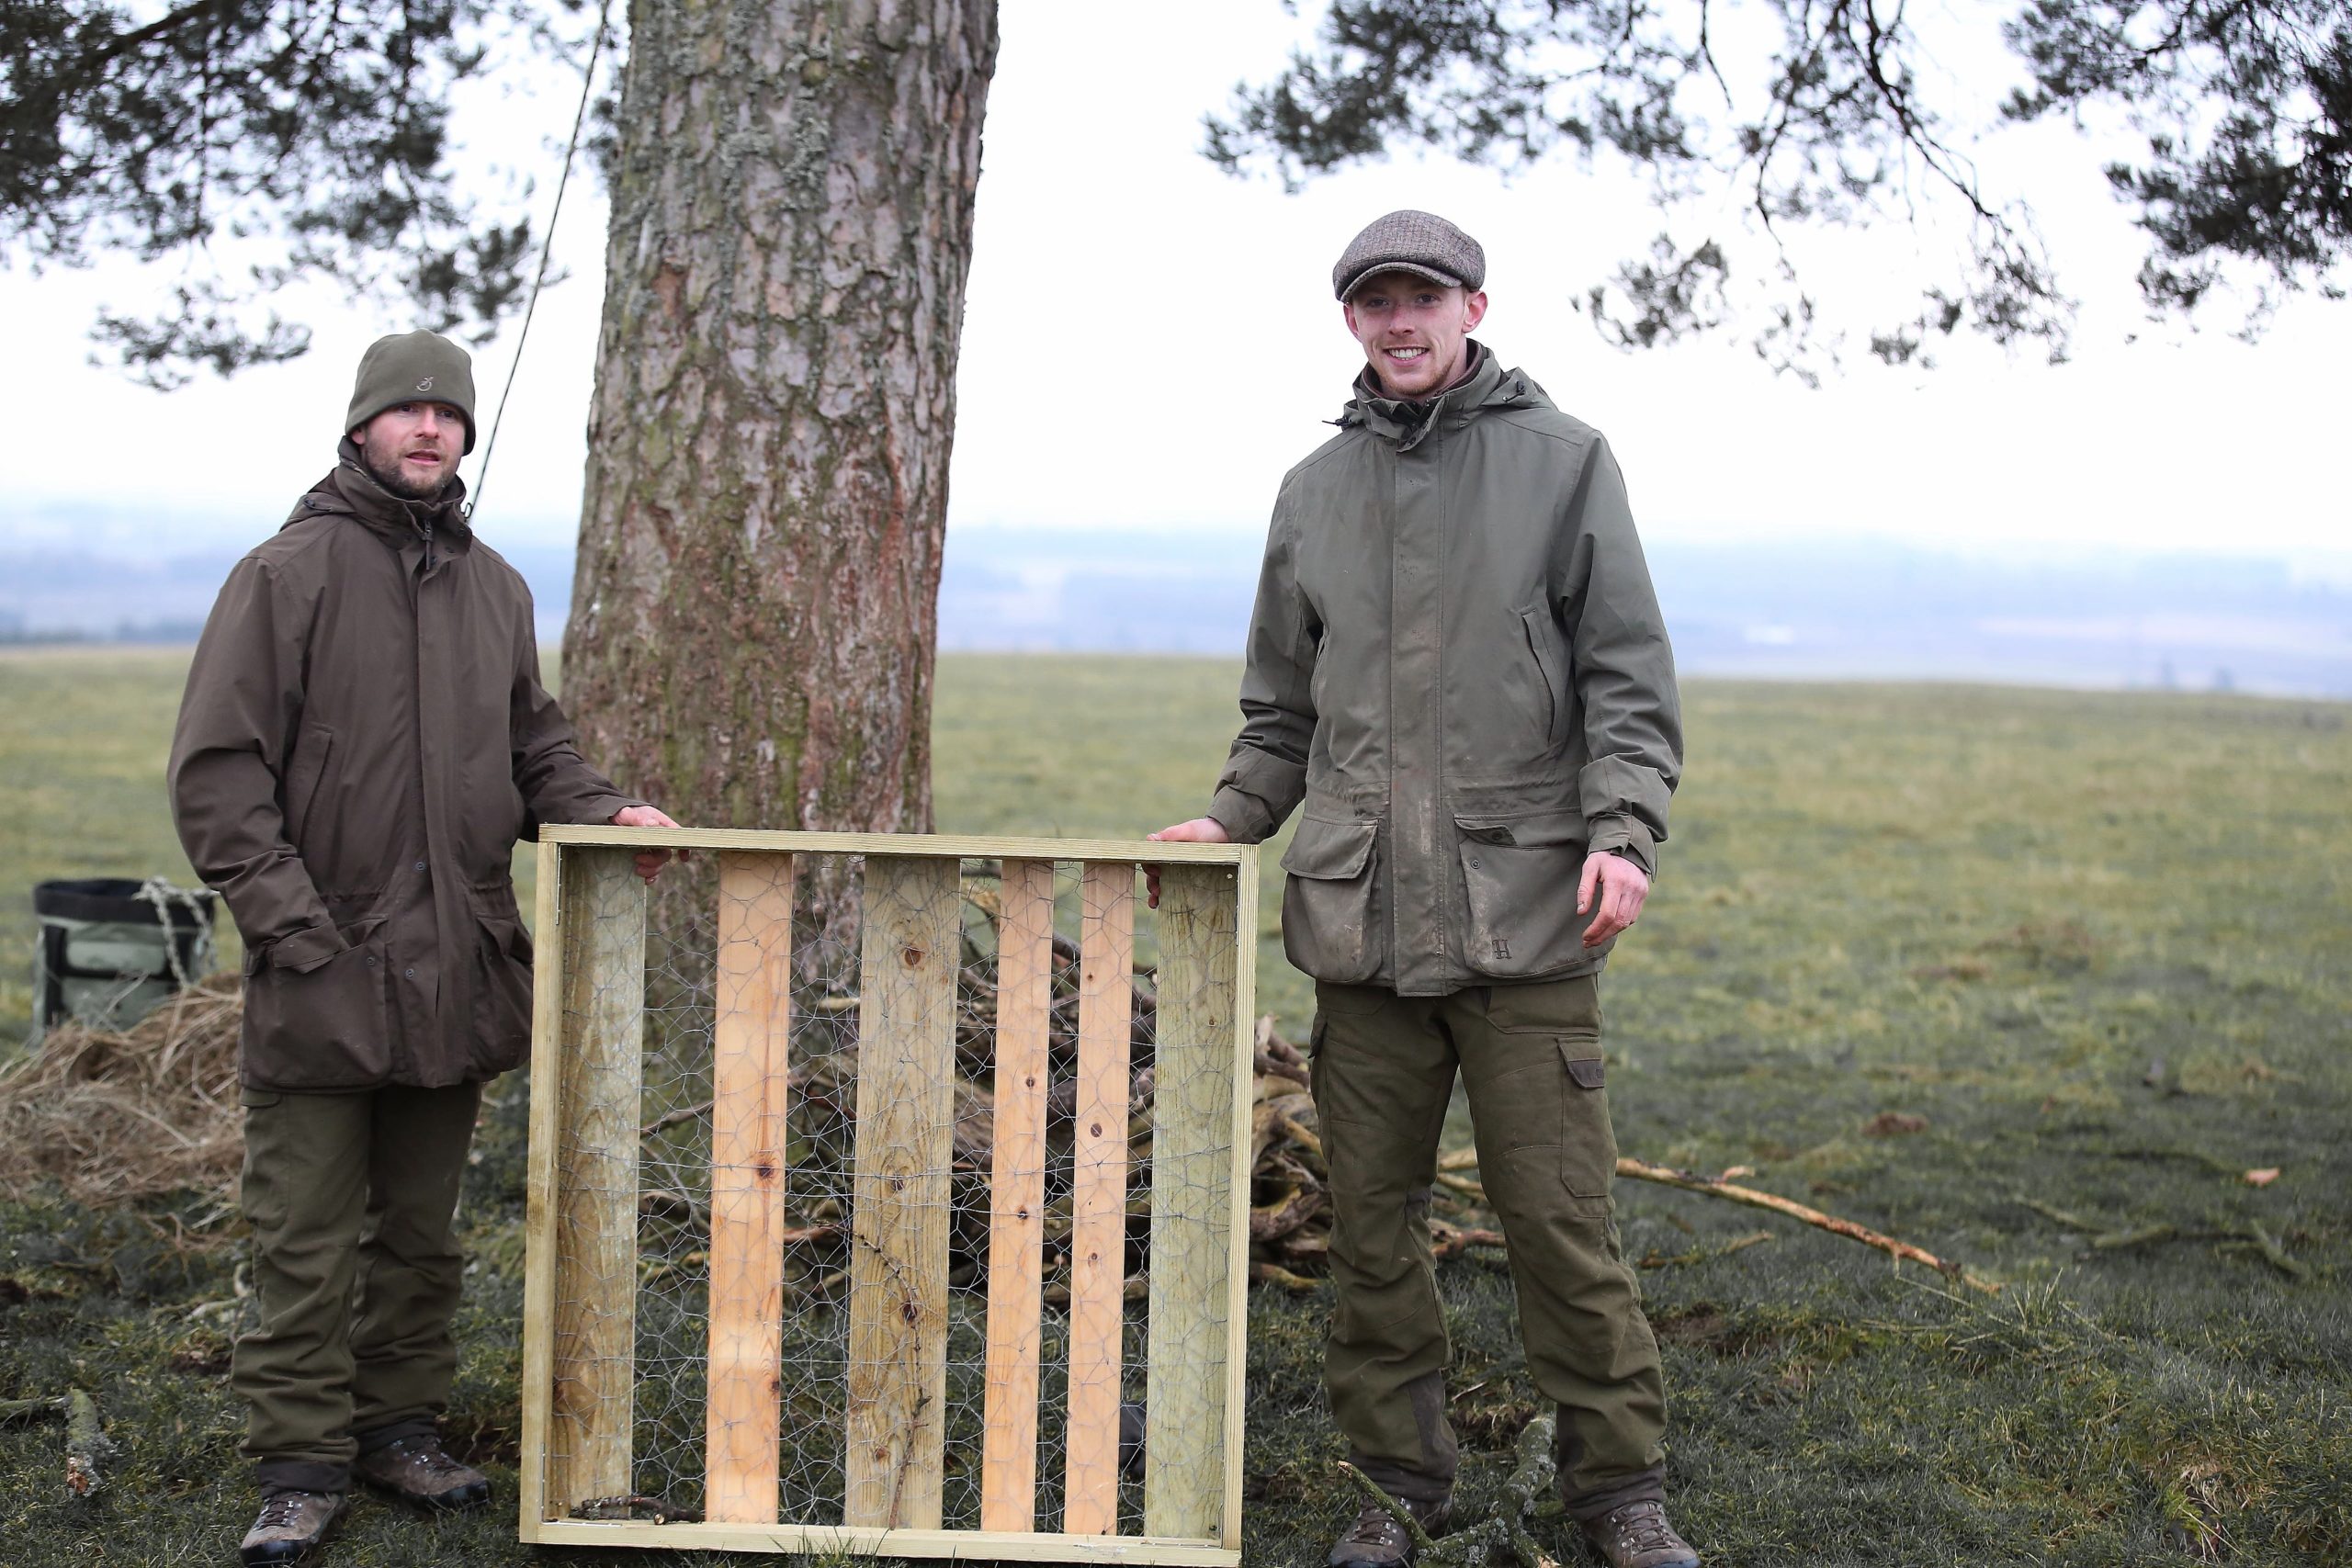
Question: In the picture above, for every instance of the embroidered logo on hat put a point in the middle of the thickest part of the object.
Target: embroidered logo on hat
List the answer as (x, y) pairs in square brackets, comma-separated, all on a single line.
[(425, 384)]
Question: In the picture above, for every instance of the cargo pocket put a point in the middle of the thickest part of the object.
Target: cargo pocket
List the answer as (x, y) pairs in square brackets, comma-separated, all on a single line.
[(1588, 1143), (502, 1021), (323, 1025), (1332, 926), (1519, 874)]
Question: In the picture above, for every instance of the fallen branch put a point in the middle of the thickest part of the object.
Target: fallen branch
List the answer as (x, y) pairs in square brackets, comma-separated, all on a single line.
[(2099, 1238), (1504, 1529), (1448, 1242), (1715, 1187), (86, 1445), (1704, 1254), (30, 1410), (1275, 1274)]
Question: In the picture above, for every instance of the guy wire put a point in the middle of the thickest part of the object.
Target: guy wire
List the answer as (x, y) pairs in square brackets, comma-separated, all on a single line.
[(546, 249)]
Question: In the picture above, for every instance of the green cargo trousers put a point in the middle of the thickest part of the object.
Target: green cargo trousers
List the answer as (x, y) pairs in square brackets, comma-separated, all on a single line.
[(351, 1198), (1529, 1059)]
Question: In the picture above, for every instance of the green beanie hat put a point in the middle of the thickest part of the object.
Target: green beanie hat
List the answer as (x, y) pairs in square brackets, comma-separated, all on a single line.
[(413, 368)]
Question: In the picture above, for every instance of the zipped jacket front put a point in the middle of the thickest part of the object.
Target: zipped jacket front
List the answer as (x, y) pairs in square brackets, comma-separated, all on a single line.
[(363, 739), (1457, 666)]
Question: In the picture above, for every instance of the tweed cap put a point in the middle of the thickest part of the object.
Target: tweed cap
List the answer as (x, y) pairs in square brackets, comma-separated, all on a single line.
[(418, 367), (1419, 243)]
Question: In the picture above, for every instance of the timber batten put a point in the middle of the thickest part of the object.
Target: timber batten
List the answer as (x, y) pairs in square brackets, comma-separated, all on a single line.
[(1015, 1237)]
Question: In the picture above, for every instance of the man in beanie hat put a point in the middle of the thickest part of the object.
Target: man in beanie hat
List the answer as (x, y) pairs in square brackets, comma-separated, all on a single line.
[(1457, 666), (362, 738)]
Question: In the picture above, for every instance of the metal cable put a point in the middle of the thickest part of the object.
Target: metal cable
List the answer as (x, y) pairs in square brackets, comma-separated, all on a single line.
[(547, 248)]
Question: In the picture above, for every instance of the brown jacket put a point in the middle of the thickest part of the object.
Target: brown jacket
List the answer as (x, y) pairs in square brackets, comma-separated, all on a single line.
[(363, 739)]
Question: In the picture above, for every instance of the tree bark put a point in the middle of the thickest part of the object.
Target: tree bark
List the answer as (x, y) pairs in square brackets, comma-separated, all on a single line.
[(754, 609)]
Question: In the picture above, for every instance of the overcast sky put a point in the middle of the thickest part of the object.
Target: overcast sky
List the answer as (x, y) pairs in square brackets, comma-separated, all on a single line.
[(1150, 344)]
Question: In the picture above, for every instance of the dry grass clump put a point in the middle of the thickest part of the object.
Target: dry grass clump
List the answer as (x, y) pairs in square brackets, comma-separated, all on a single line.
[(112, 1116)]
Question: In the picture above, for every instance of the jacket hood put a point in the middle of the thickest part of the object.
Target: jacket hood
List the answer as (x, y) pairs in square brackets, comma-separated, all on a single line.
[(1489, 386), (351, 490)]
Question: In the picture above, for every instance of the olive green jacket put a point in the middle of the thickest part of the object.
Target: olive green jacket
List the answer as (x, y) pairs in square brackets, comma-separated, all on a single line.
[(1456, 662), (362, 738)]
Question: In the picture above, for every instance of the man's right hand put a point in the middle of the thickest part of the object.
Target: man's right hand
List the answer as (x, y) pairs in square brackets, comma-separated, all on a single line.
[(1199, 831)]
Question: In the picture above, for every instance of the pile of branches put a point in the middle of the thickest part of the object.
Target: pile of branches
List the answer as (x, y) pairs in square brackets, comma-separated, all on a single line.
[(114, 1116)]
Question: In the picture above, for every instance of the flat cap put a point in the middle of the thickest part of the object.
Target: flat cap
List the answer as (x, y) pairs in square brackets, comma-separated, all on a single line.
[(1419, 243)]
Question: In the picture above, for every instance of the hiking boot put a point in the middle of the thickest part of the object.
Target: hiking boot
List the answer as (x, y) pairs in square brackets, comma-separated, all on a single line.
[(1377, 1540), (418, 1470), (1637, 1536), (291, 1526)]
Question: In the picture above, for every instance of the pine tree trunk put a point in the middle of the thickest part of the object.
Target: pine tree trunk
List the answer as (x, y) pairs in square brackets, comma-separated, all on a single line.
[(755, 606)]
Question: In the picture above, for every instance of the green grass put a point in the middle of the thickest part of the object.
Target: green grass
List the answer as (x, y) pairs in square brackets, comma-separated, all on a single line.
[(2002, 911)]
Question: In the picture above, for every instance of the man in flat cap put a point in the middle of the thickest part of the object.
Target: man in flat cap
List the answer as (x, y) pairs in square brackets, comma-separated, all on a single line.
[(1457, 666), (362, 738)]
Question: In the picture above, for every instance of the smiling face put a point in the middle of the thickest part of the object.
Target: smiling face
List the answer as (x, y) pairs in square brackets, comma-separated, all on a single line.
[(413, 448), (1413, 330)]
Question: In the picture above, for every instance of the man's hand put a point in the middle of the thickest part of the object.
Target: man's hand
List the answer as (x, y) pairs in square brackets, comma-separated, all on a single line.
[(1199, 831), (648, 861), (1621, 888)]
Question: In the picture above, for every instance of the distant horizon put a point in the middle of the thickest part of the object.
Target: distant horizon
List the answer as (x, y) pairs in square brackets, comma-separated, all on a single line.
[(1809, 607)]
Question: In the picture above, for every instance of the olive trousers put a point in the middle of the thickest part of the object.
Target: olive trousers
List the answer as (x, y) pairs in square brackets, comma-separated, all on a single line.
[(1530, 1059), (352, 1199)]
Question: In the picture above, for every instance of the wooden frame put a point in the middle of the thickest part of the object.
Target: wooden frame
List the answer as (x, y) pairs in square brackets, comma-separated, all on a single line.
[(581, 1271)]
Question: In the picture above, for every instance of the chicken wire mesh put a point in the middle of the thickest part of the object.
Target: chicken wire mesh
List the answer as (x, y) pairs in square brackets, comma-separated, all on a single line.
[(857, 1209)]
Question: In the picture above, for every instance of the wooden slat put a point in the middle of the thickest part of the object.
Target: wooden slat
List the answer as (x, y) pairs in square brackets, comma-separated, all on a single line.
[(963, 846), (1017, 1196), (1192, 1162), (833, 1541), (540, 1192), (1245, 1084), (1099, 1197), (594, 1372), (750, 1060), (897, 1333)]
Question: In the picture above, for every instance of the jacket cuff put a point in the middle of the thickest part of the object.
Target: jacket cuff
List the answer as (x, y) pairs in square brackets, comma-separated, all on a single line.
[(1628, 837), (307, 948), (1242, 814), (591, 811)]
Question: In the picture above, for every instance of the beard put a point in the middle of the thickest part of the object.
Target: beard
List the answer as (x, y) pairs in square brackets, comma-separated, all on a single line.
[(383, 466)]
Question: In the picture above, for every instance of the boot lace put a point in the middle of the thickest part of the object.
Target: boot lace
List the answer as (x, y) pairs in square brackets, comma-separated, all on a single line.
[(1641, 1527), (280, 1510), (1374, 1526), (427, 1454)]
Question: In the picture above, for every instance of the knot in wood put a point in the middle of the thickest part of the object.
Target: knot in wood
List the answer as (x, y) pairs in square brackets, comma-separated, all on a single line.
[(1095, 1130), (912, 957), (910, 1312)]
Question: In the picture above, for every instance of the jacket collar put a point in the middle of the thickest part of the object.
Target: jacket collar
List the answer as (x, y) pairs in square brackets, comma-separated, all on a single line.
[(350, 489), (1488, 386)]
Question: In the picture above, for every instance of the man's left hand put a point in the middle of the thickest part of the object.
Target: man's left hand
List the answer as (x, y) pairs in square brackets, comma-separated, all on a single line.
[(648, 861), (1620, 887)]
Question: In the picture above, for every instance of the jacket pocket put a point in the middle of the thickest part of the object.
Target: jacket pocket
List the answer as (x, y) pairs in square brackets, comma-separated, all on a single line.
[(1543, 645), (1520, 878), (320, 1027), (1333, 924), (312, 746), (501, 1013)]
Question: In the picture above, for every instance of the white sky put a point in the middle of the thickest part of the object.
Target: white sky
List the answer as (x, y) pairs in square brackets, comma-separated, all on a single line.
[(1150, 344)]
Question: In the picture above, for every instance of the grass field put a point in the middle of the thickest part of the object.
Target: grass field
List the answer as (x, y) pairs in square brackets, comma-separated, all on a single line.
[(2095, 951)]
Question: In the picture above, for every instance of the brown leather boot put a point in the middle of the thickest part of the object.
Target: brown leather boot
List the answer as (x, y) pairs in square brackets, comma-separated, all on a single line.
[(418, 1470), (1376, 1541), (292, 1524), (1637, 1536)]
